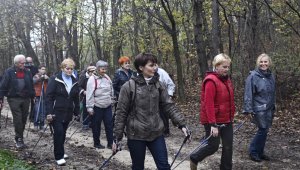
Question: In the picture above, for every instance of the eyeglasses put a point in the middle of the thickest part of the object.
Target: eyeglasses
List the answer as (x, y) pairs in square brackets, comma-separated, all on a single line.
[(21, 62), (67, 68)]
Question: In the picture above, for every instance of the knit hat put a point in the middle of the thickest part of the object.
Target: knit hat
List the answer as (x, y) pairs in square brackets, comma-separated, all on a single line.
[(91, 68), (101, 63)]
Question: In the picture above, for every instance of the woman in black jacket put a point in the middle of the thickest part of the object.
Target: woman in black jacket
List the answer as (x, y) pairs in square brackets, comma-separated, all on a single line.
[(62, 101)]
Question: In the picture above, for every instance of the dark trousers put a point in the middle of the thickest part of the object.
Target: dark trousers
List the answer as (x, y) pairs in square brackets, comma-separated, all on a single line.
[(19, 107), (59, 136), (258, 142), (39, 108), (226, 134), (158, 149), (104, 114)]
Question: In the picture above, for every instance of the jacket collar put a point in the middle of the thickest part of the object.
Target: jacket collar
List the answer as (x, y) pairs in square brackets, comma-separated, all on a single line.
[(60, 79), (141, 80)]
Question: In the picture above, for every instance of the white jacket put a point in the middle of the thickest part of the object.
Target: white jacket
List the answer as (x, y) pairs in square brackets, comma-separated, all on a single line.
[(99, 92), (166, 80)]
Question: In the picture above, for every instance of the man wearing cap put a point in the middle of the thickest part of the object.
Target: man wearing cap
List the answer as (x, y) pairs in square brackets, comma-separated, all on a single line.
[(99, 94), (90, 70)]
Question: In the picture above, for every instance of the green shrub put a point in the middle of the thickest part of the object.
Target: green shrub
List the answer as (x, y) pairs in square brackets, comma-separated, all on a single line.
[(9, 162)]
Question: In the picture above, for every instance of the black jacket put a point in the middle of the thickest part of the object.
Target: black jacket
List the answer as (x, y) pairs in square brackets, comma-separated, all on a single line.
[(120, 78), (59, 102), (9, 84)]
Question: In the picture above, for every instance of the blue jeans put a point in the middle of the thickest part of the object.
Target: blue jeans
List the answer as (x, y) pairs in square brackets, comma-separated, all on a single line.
[(158, 149), (258, 142), (39, 115), (104, 114)]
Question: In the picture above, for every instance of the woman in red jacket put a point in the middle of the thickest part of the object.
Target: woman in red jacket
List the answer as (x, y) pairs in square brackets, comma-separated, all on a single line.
[(217, 112)]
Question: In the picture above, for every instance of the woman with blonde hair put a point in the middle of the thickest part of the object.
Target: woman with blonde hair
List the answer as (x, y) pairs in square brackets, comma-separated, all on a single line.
[(62, 102), (217, 113), (259, 101)]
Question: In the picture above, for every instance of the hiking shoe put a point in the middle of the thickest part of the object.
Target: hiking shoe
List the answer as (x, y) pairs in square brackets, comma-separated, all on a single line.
[(255, 158), (61, 162), (265, 157), (20, 143), (109, 146), (99, 146), (66, 156)]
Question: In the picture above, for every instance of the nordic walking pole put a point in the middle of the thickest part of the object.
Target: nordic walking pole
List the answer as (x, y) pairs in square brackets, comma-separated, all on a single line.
[(204, 142), (76, 129), (6, 119), (39, 138), (38, 110), (112, 155), (184, 141), (239, 126)]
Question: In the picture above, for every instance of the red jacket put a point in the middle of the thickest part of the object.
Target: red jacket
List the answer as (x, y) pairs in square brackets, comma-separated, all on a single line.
[(217, 100)]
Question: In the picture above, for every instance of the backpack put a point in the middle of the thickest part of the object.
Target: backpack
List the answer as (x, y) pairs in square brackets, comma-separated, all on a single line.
[(96, 83), (133, 96)]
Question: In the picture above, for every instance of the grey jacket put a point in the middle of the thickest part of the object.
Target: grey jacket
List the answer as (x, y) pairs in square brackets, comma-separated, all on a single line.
[(143, 121), (99, 92), (259, 97)]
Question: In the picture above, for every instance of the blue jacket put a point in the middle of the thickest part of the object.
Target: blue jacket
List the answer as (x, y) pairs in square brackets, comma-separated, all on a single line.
[(9, 84), (259, 97), (120, 78), (59, 101), (259, 92)]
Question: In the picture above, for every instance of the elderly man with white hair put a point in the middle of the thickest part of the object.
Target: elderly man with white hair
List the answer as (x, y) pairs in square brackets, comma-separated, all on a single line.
[(17, 86)]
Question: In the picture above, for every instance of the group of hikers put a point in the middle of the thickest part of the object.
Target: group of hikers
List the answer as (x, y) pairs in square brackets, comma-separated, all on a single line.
[(143, 104)]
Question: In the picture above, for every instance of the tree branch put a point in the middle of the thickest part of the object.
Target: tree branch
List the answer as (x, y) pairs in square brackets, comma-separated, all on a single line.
[(293, 8), (286, 21)]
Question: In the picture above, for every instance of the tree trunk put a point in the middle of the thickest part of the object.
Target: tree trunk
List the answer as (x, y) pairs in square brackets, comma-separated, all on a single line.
[(135, 29), (199, 36), (20, 29), (96, 33), (216, 29), (117, 46)]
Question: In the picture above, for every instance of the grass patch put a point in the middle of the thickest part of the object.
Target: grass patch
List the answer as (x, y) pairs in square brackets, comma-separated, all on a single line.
[(8, 161)]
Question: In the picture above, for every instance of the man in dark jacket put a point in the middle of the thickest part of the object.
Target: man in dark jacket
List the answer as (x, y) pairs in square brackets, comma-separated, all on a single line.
[(17, 85)]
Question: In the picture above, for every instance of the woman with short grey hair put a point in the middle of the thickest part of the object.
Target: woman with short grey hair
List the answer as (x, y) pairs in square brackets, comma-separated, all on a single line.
[(99, 93)]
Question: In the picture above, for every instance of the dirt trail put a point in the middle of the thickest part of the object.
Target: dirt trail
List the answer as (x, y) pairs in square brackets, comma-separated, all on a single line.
[(284, 150)]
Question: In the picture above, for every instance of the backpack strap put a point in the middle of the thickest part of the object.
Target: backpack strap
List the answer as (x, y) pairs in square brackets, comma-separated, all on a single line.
[(132, 87), (96, 84)]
